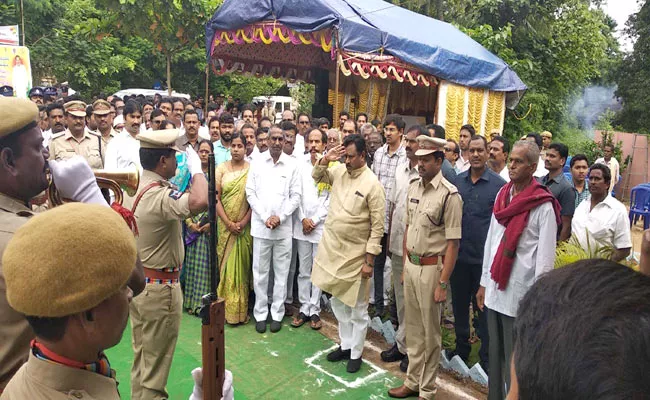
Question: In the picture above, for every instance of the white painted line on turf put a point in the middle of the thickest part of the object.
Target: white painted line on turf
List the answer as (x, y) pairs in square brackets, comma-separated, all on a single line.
[(352, 385)]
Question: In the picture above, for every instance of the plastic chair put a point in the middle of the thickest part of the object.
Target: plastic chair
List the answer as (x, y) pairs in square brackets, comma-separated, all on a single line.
[(640, 205)]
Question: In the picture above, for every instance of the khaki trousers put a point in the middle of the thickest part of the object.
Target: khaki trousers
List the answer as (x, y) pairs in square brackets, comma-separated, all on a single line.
[(422, 316), (155, 321), (397, 265)]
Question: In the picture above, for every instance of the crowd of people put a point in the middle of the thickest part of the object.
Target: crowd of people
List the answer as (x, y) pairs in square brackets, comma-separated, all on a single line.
[(368, 217)]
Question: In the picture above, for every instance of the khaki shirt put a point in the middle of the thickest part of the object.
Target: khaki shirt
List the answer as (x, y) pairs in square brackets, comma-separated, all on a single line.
[(15, 332), (353, 227), (64, 146), (159, 216), (433, 217), (40, 379), (183, 142)]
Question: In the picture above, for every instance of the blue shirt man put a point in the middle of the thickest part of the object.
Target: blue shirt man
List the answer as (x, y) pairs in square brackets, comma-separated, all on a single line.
[(478, 187)]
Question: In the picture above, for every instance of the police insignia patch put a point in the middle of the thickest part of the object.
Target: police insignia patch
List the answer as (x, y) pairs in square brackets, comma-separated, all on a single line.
[(175, 194)]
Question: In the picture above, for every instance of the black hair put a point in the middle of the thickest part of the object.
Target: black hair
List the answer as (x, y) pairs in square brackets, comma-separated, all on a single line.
[(190, 112), (238, 135), (323, 137), (208, 142), (469, 128), (607, 173), (213, 119), (131, 107), (583, 332), (167, 100), (395, 119), (260, 131), (438, 130), (363, 115), (358, 141), (375, 122), (578, 157), (213, 107), (324, 121), (247, 126), (288, 126), (456, 146), (167, 122), (538, 139), (344, 114), (226, 118), (149, 158), (51, 329), (156, 113), (247, 107), (421, 130), (303, 114), (89, 111), (54, 106), (504, 141), (479, 137), (561, 148), (265, 119)]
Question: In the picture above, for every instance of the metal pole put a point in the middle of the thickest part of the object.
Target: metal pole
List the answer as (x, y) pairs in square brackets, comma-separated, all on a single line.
[(207, 90), (336, 89), (22, 20)]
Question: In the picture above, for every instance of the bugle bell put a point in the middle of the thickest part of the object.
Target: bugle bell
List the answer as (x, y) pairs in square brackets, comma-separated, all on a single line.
[(119, 180)]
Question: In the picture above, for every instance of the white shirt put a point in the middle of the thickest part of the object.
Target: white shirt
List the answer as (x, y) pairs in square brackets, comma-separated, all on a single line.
[(299, 147), (313, 205), (273, 189), (47, 136), (505, 174), (462, 165), (253, 156), (397, 199), (607, 224), (202, 134), (535, 255), (541, 170), (614, 168), (122, 151)]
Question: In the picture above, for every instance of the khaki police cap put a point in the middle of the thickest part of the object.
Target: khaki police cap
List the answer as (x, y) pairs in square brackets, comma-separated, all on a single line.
[(16, 114), (163, 139), (101, 107), (76, 108), (68, 260), (429, 145), (546, 134)]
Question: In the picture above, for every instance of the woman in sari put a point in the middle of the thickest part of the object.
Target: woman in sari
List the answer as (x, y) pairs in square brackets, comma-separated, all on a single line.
[(235, 245), (196, 267)]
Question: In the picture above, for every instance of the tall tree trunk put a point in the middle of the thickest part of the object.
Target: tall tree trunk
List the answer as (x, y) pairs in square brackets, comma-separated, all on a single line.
[(439, 13), (168, 55)]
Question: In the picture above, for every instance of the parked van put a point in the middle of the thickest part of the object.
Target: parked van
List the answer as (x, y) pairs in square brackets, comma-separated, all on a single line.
[(279, 103)]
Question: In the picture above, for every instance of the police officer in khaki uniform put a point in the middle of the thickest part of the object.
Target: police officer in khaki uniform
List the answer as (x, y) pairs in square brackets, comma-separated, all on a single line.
[(75, 139), (75, 298), (104, 118), (159, 209), (431, 245)]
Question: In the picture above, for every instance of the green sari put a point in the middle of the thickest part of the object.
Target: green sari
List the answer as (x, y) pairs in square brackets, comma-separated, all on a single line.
[(234, 252)]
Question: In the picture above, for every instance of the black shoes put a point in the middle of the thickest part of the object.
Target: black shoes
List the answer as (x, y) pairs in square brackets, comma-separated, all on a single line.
[(338, 355), (354, 365), (392, 355), (260, 326), (276, 326), (404, 364)]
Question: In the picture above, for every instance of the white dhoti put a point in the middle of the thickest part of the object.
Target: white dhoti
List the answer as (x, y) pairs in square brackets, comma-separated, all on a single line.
[(266, 251), (353, 324), (308, 294)]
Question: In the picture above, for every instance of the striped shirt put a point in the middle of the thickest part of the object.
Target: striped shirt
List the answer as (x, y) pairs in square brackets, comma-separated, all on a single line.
[(384, 166)]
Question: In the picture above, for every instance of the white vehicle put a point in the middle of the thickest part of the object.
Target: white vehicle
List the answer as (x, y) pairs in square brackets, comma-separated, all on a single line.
[(279, 103), (148, 92)]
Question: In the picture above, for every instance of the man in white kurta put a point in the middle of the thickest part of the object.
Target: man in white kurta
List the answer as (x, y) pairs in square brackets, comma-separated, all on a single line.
[(308, 222), (273, 191), (352, 238), (534, 255)]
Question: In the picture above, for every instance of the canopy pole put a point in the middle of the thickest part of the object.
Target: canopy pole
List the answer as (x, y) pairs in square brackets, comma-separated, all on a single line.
[(336, 88), (207, 90)]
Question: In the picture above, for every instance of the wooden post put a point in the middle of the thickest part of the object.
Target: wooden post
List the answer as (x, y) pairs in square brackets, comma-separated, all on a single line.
[(336, 87), (207, 90), (22, 21)]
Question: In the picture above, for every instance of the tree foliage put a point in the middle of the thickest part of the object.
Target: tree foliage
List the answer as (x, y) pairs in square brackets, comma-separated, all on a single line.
[(634, 75)]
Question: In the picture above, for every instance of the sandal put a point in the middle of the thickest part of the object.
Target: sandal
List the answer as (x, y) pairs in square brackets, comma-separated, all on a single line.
[(316, 323), (299, 320)]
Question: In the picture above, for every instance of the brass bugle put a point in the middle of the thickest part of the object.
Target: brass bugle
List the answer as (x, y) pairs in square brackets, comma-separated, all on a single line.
[(119, 180)]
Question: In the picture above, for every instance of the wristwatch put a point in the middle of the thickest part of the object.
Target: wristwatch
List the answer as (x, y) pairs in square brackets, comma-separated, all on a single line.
[(443, 285)]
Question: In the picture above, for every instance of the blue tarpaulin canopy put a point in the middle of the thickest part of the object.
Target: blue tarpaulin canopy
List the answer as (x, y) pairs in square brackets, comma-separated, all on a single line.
[(368, 26)]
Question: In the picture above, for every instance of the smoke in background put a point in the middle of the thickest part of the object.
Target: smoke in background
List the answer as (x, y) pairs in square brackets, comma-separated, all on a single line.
[(593, 102)]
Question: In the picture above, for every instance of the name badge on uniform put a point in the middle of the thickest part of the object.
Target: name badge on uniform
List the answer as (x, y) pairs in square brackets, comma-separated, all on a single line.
[(175, 194), (416, 201)]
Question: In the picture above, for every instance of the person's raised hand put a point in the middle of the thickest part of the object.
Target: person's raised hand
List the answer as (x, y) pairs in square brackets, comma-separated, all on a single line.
[(335, 154)]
